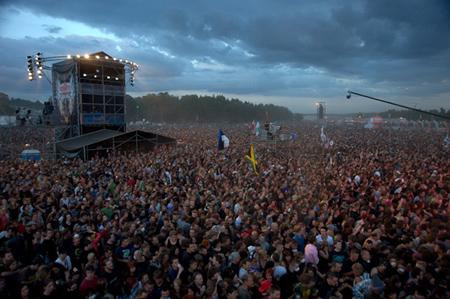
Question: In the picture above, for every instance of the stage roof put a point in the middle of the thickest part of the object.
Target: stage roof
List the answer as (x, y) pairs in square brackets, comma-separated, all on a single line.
[(76, 143)]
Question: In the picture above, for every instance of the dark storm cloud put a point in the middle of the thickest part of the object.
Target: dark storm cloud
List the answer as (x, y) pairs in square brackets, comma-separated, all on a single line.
[(305, 48)]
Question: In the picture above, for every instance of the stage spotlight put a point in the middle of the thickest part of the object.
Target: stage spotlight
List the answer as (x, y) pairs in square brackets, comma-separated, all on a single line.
[(84, 75), (40, 76), (106, 57), (117, 79), (95, 76), (86, 56), (38, 58), (108, 77), (97, 57), (69, 56), (78, 55)]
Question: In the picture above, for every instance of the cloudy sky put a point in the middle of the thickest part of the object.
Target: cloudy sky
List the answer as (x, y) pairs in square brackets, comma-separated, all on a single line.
[(288, 52)]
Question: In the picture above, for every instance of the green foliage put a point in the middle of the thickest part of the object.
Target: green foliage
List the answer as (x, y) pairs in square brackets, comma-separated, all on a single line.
[(36, 105), (5, 107), (8, 106), (164, 107)]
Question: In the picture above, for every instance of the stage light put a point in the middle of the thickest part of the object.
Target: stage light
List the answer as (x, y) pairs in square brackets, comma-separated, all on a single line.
[(69, 56), (126, 61), (30, 68), (78, 55), (40, 67), (84, 75), (108, 77), (106, 57), (86, 56), (97, 57), (39, 72), (40, 76), (117, 78), (95, 76), (114, 58)]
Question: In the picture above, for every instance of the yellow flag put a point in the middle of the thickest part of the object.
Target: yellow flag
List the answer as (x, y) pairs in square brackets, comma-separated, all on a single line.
[(252, 159)]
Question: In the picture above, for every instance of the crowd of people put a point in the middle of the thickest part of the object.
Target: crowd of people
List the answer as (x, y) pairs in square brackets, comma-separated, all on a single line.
[(364, 218), (14, 139)]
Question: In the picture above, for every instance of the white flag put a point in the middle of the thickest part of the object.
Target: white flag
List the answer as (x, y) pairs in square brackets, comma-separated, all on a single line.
[(323, 137), (257, 129), (226, 141)]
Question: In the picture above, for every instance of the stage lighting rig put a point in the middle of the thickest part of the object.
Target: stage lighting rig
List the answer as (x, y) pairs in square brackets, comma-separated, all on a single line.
[(37, 65), (30, 68)]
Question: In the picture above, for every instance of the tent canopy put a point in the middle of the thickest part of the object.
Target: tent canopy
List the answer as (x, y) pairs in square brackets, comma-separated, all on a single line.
[(113, 138), (75, 143)]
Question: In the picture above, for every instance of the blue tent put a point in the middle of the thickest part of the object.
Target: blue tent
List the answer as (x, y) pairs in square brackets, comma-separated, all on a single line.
[(30, 155)]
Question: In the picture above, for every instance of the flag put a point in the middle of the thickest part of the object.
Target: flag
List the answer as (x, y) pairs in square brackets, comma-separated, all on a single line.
[(252, 126), (323, 137), (226, 141), (293, 136), (222, 141), (252, 159), (369, 124), (257, 129), (446, 141)]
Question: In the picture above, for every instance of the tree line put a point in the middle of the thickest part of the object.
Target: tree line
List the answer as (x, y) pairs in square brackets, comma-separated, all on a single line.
[(8, 105), (163, 107)]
